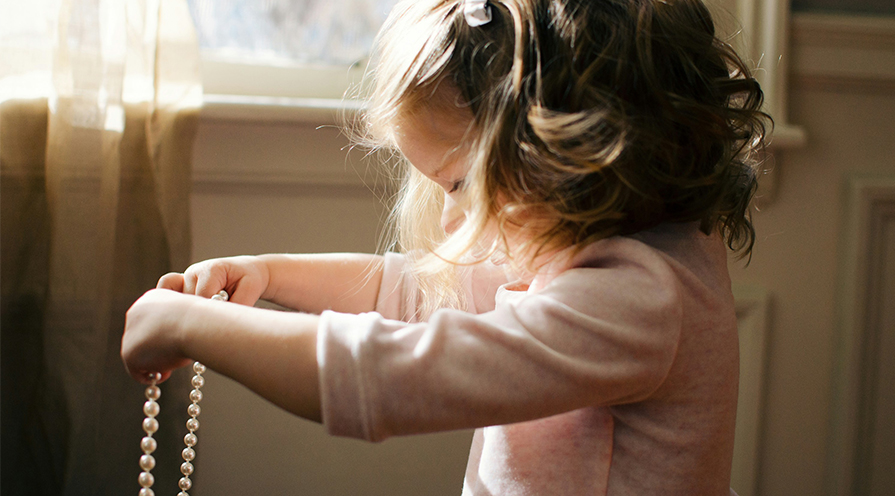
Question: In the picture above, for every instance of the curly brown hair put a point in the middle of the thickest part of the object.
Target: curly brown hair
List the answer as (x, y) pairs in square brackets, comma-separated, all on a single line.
[(589, 118)]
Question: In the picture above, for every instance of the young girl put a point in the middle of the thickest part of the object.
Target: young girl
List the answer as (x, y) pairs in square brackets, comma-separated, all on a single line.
[(576, 168)]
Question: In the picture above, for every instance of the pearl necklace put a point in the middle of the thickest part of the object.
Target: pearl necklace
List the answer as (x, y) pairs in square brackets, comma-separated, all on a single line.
[(150, 426)]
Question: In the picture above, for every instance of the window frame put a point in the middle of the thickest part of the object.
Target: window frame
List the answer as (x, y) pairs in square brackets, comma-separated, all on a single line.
[(312, 93)]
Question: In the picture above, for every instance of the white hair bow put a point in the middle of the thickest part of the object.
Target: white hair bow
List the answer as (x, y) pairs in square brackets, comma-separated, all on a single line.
[(477, 12)]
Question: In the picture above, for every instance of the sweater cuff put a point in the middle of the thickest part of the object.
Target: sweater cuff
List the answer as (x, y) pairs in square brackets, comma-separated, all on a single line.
[(343, 398)]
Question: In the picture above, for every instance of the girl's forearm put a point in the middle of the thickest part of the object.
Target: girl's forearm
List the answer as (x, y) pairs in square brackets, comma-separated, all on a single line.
[(344, 282), (272, 353)]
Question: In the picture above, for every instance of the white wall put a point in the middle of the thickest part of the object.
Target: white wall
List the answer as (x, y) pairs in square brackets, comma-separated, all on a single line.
[(843, 93)]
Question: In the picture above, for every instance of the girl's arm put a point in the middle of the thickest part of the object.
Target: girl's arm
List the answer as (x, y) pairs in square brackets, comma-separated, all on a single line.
[(343, 282), (272, 353)]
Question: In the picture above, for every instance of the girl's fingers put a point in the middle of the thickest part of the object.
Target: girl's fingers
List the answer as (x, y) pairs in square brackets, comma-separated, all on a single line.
[(246, 292), (146, 377), (211, 281), (172, 281), (208, 278), (207, 288), (190, 280), (165, 377), (148, 343)]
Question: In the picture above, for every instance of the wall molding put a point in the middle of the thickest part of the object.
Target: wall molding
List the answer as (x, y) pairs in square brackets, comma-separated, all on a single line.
[(843, 53), (864, 317), (753, 312), (299, 183)]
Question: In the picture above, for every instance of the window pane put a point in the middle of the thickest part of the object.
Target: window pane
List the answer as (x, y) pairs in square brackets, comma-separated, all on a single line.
[(288, 31)]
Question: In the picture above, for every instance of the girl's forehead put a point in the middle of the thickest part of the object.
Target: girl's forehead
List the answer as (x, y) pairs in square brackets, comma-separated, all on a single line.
[(433, 141), (435, 124)]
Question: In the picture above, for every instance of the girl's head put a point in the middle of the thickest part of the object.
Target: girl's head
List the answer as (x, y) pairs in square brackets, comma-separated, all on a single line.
[(567, 121)]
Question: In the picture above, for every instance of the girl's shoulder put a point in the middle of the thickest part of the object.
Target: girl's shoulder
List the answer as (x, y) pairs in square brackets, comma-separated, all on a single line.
[(681, 246), (666, 260)]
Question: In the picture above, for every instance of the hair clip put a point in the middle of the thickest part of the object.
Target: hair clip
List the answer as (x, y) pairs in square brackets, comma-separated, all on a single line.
[(477, 12)]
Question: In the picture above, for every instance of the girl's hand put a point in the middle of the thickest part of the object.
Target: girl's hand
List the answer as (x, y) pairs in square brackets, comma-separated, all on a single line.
[(245, 279), (153, 334), (272, 353)]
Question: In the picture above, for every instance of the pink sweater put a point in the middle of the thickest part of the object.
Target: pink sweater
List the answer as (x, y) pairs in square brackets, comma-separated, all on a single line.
[(612, 373)]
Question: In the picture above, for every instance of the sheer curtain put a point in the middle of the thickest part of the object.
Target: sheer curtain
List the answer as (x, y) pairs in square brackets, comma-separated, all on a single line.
[(99, 103)]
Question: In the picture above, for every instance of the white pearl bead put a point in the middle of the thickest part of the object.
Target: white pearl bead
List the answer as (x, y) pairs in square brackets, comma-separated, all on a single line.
[(145, 491), (153, 393), (183, 493), (198, 368), (146, 479), (192, 425), (150, 408), (185, 483), (198, 381), (193, 410), (154, 377), (189, 454), (186, 468), (150, 425), (195, 396), (190, 439), (147, 462), (148, 444)]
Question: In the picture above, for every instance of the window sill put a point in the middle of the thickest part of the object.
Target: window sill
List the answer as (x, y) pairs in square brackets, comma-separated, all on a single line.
[(278, 110)]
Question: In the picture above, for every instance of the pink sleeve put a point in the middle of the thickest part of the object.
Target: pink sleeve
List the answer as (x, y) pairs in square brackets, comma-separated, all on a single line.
[(398, 294), (592, 336), (399, 297)]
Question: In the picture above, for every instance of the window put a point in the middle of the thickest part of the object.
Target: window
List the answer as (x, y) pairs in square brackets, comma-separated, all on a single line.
[(307, 49)]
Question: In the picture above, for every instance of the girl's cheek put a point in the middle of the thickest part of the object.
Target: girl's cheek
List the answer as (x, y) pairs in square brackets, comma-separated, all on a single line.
[(452, 216)]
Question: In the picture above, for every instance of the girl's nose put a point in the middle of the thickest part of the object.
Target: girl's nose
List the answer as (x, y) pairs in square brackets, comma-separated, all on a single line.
[(452, 216)]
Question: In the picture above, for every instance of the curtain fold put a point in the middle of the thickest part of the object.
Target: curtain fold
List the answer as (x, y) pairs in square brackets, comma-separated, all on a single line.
[(99, 108)]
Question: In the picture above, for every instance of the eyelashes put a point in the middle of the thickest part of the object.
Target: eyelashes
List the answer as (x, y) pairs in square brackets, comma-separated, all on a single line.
[(456, 185)]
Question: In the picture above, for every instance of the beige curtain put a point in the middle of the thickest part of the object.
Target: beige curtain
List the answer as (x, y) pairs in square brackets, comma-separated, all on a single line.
[(98, 112)]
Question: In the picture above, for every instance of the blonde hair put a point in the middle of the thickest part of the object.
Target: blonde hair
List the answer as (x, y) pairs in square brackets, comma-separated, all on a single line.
[(588, 120)]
